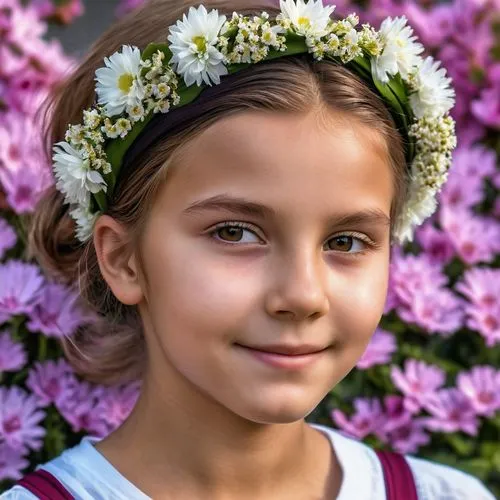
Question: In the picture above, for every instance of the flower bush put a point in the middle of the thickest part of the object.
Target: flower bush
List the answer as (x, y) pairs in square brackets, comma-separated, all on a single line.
[(428, 383)]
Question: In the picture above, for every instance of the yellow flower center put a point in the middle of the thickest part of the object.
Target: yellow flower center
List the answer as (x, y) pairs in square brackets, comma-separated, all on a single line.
[(200, 42), (304, 22), (125, 82)]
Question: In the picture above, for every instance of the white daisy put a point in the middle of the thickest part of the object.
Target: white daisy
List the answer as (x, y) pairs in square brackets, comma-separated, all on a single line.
[(420, 205), (85, 221), (74, 177), (308, 19), (433, 96), (118, 85), (193, 44), (400, 52)]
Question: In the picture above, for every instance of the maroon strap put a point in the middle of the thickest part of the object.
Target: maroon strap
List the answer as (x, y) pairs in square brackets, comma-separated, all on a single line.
[(45, 486), (399, 480)]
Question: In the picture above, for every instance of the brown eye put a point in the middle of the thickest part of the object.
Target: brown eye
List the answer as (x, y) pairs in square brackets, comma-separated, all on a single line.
[(230, 233), (237, 232), (340, 243)]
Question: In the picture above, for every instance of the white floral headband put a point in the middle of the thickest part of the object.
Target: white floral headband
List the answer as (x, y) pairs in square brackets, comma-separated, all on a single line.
[(205, 46)]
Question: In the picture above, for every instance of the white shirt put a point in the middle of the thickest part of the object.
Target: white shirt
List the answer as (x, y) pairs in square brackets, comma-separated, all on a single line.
[(87, 475)]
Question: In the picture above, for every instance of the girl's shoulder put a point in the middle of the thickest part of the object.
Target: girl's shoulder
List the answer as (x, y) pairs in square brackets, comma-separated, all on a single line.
[(433, 481), (85, 474)]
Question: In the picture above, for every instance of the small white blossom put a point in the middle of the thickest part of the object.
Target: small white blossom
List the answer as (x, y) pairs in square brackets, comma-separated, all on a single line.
[(118, 84), (136, 112), (75, 179), (310, 19), (123, 127), (193, 44), (433, 95), (91, 119), (400, 53), (85, 221)]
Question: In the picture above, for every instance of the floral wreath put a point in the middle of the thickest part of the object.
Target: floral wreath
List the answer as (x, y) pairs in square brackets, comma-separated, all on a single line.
[(205, 46)]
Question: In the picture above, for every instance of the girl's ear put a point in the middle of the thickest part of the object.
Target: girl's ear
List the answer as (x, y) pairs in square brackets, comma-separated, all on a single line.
[(117, 261)]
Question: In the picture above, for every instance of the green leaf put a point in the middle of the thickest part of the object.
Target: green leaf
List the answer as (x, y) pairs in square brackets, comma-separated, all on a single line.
[(479, 467), (153, 48), (462, 445), (116, 149)]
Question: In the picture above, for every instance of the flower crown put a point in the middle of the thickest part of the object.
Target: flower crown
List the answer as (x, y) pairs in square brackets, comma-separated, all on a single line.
[(205, 46)]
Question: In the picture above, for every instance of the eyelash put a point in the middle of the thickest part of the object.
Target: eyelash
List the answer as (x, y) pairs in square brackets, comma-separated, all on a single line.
[(372, 245)]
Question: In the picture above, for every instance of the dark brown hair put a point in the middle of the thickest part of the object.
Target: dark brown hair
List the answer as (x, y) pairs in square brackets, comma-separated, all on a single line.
[(112, 350)]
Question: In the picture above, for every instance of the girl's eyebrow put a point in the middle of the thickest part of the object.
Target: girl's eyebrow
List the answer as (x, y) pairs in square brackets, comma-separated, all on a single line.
[(241, 206)]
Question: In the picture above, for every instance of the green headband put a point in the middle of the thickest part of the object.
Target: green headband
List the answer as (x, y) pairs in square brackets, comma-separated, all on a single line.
[(133, 87)]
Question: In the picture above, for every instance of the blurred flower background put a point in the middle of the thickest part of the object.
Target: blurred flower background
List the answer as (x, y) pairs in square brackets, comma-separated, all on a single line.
[(429, 382)]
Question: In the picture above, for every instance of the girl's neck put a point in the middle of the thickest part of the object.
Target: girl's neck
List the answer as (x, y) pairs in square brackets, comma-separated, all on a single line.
[(173, 448)]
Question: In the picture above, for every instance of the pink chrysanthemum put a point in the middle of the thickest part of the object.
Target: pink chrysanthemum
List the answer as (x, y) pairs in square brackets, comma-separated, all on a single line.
[(57, 312), (476, 239), (482, 387), (8, 237), (19, 286), (12, 463), (439, 311), (368, 418), (82, 409), (411, 274), (435, 244), (51, 381), (418, 382), (118, 402), (379, 351), (482, 287), (20, 418), (12, 354), (451, 412)]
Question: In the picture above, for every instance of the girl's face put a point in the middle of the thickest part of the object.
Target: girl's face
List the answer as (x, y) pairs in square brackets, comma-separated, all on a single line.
[(270, 234)]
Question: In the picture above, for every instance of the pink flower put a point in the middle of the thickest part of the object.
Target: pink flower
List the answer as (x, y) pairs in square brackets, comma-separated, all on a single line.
[(411, 274), (418, 382), (404, 433), (21, 140), (482, 287), (12, 462), (379, 350), (438, 311), (12, 354), (82, 409), (19, 287), (24, 186), (464, 187), (451, 412), (57, 312), (367, 419), (64, 13), (476, 239), (482, 387), (487, 108), (51, 381), (118, 402), (8, 237), (20, 25), (20, 418), (435, 244)]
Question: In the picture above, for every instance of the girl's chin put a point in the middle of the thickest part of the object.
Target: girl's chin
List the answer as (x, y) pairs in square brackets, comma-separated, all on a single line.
[(277, 412)]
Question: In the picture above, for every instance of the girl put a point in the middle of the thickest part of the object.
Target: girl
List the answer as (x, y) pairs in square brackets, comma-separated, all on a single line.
[(236, 240)]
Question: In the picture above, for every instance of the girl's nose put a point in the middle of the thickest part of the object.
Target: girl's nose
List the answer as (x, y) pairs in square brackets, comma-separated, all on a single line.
[(297, 288)]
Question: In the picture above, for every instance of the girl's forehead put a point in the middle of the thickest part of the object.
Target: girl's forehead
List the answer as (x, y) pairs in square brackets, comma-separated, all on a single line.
[(286, 159)]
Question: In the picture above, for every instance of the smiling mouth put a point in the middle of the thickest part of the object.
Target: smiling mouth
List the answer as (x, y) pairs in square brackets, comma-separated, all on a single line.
[(287, 350), (291, 358)]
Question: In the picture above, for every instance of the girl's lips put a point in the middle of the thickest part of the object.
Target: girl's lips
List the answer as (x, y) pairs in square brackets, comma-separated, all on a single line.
[(283, 361)]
